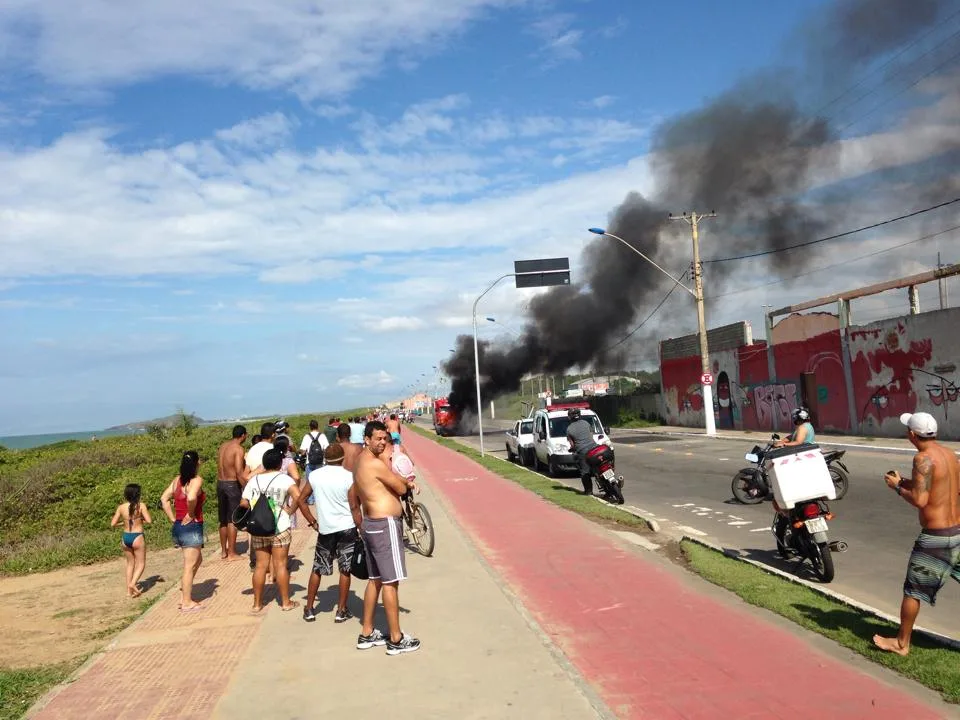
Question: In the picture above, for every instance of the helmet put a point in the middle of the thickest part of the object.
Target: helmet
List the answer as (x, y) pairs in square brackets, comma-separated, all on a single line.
[(800, 415), (281, 426), (573, 414)]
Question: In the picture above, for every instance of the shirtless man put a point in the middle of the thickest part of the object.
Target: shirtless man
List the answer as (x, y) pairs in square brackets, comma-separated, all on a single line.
[(231, 477), (932, 489), (393, 427), (379, 489), (351, 451)]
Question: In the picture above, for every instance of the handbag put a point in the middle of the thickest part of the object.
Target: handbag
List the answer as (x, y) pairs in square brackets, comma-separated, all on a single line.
[(261, 522), (358, 560)]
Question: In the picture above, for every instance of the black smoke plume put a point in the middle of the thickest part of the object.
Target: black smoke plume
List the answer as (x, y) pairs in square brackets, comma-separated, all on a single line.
[(750, 155)]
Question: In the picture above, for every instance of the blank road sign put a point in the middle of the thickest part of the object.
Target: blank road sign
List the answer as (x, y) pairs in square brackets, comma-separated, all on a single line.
[(542, 273)]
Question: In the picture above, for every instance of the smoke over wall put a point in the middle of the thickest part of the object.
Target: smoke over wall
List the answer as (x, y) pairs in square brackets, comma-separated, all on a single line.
[(750, 154)]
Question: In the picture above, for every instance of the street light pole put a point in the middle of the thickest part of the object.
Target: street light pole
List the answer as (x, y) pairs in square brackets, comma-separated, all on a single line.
[(697, 293), (694, 221), (476, 357)]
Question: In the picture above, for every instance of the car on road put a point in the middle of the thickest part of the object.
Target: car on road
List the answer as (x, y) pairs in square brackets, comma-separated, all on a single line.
[(551, 450), (519, 442)]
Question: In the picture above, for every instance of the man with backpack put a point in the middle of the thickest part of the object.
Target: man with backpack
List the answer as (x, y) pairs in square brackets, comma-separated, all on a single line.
[(313, 445), (268, 524)]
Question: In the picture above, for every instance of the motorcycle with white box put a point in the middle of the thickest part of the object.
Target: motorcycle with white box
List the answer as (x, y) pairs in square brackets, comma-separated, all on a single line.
[(802, 485)]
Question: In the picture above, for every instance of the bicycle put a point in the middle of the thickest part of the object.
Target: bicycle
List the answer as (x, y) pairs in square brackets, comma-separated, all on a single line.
[(417, 525)]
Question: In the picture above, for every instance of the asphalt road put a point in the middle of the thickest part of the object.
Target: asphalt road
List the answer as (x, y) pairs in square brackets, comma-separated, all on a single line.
[(684, 482)]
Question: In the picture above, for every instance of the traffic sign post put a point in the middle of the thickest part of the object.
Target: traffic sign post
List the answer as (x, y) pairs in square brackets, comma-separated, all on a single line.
[(706, 379)]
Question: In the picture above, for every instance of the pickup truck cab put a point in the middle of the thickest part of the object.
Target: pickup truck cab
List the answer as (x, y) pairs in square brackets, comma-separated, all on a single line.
[(550, 446), (519, 441)]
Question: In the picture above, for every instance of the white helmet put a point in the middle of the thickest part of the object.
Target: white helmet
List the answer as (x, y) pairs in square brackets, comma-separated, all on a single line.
[(800, 415)]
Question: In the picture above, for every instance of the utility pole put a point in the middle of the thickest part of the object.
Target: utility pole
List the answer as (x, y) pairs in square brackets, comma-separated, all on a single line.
[(942, 284), (706, 378)]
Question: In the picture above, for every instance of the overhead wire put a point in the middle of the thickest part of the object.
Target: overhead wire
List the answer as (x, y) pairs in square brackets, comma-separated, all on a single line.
[(847, 233), (645, 320)]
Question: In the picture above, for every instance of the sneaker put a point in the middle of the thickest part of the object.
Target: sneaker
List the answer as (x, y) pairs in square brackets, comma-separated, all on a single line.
[(309, 615), (365, 642), (342, 616), (406, 644)]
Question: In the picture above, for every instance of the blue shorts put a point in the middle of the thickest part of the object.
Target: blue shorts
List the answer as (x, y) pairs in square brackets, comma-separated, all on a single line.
[(396, 437), (189, 536)]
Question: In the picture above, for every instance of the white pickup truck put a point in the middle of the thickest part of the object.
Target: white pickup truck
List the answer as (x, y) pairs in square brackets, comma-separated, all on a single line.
[(519, 442), (550, 447)]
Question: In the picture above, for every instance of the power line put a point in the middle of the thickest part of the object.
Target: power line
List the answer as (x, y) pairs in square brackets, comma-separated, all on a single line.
[(645, 320), (833, 237), (834, 265)]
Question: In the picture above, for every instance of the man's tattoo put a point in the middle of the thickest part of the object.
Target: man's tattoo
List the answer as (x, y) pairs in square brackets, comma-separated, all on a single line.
[(922, 473)]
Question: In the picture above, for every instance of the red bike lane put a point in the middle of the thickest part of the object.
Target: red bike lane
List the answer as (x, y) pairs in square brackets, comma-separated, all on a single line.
[(650, 642)]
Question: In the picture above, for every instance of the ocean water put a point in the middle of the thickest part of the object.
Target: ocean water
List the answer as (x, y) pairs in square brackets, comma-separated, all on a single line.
[(21, 442)]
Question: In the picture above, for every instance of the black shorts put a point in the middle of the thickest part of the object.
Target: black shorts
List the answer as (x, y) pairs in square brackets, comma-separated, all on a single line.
[(339, 545), (228, 500)]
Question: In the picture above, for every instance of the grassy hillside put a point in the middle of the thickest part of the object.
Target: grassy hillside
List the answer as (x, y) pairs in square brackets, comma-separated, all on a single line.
[(56, 501)]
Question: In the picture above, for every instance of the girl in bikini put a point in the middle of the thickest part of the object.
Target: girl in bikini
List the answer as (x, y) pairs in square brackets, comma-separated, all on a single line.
[(133, 514)]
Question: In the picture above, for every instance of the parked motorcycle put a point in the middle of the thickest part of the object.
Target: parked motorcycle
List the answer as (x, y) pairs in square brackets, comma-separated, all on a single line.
[(600, 460), (802, 532), (751, 485)]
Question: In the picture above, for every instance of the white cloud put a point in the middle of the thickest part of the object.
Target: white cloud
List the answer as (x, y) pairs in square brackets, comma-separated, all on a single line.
[(392, 324), (264, 131), (601, 101), (559, 41), (313, 48), (368, 381)]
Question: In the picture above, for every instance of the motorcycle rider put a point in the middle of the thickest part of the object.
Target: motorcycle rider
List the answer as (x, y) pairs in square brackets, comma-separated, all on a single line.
[(804, 432), (580, 437), (802, 435)]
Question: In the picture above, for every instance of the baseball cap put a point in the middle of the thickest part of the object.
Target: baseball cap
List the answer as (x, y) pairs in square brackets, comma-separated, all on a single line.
[(921, 424)]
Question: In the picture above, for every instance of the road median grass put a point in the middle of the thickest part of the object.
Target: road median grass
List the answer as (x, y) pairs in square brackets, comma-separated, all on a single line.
[(20, 689), (929, 663), (551, 490)]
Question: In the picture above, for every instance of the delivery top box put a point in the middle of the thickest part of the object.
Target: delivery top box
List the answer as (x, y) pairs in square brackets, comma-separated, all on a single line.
[(798, 473)]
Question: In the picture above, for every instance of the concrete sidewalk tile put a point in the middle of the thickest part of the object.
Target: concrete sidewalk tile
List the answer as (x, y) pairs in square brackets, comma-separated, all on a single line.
[(615, 613)]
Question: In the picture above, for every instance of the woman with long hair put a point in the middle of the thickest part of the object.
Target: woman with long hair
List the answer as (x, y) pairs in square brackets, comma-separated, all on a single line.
[(186, 491), (133, 513)]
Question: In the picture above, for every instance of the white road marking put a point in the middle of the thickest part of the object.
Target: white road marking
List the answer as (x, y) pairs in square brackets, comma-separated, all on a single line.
[(684, 505), (734, 517), (740, 522), (703, 509), (760, 530), (461, 479), (611, 607), (723, 459), (692, 531), (701, 514)]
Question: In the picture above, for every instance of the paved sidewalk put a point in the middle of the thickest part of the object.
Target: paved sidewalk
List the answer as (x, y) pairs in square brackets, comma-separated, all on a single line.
[(653, 640), (759, 437)]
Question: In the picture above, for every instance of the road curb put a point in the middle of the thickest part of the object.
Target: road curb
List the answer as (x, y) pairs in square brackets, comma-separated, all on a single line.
[(832, 594)]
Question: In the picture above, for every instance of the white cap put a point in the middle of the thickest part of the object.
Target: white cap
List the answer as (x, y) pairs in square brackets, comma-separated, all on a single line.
[(920, 424)]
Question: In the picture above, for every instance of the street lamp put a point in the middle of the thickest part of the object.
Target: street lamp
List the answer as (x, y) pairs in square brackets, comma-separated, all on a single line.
[(527, 274), (706, 379)]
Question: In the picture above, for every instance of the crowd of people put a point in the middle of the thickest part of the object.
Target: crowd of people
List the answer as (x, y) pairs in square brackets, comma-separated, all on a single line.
[(345, 482)]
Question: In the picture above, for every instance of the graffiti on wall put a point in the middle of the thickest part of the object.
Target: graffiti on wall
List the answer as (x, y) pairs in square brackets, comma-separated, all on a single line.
[(773, 403)]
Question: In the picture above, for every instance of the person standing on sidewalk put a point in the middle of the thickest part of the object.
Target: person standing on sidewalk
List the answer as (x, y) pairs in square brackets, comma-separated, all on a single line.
[(231, 475), (380, 489), (273, 549), (932, 489), (337, 509), (188, 496)]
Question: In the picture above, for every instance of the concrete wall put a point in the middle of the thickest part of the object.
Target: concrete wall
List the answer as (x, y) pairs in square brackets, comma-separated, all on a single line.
[(797, 327), (904, 364)]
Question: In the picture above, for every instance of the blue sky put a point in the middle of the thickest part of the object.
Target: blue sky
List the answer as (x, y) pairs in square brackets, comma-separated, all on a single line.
[(249, 208)]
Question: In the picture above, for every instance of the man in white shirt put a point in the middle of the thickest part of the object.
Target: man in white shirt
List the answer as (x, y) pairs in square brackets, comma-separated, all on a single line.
[(277, 487), (337, 518), (308, 442), (254, 457)]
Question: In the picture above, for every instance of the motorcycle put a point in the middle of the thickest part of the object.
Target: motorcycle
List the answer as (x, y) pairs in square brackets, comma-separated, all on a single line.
[(802, 532), (751, 485), (600, 460)]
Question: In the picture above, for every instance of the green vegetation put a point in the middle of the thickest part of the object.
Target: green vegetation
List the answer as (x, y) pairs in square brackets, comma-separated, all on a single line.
[(556, 492), (56, 501), (19, 689), (929, 663)]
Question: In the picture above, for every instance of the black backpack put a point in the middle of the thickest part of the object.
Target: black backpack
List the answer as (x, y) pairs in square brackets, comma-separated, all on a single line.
[(261, 521), (315, 451)]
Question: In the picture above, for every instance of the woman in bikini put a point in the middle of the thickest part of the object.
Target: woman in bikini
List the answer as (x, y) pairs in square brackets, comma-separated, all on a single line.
[(186, 491), (133, 514)]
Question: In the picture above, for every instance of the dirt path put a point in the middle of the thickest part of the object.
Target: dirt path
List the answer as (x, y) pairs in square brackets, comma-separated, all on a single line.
[(54, 617)]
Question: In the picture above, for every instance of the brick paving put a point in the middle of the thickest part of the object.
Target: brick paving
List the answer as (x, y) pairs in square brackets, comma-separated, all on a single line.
[(654, 642), (171, 664)]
